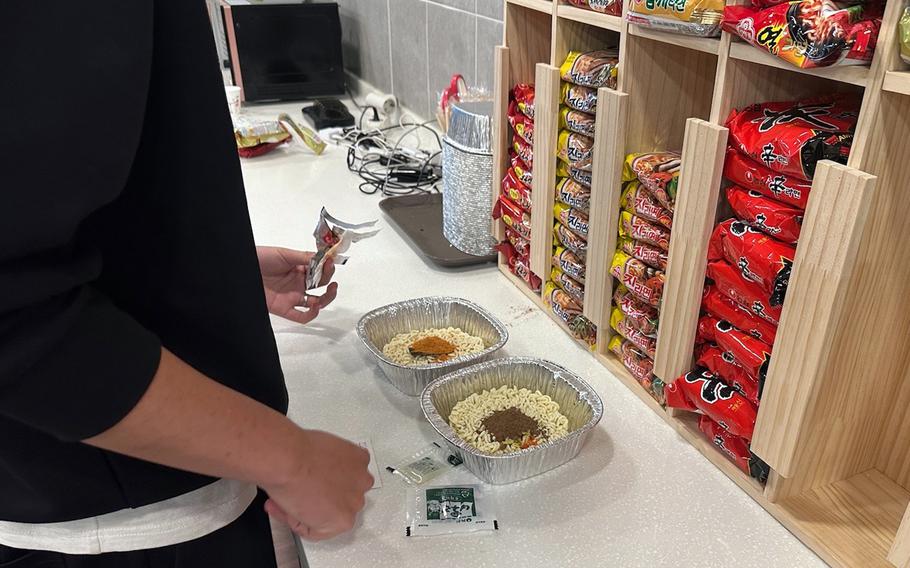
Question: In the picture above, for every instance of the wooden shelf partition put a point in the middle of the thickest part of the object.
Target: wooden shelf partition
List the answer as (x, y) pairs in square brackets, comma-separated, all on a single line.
[(833, 423)]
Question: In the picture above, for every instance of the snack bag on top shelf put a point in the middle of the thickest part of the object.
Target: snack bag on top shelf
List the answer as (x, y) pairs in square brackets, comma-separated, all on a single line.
[(523, 94), (519, 265), (735, 448), (730, 282), (649, 254), (791, 137), (520, 123), (699, 389), (568, 285), (576, 121), (564, 170), (519, 193), (569, 263), (643, 282), (638, 201), (570, 312), (523, 150), (690, 17), (658, 172), (754, 176), (809, 33), (625, 328), (572, 218), (564, 237), (746, 351), (513, 216), (593, 69), (576, 150), (779, 220), (612, 7), (722, 364), (758, 257), (579, 97), (637, 363), (642, 316), (573, 194), (716, 304), (522, 171), (639, 229)]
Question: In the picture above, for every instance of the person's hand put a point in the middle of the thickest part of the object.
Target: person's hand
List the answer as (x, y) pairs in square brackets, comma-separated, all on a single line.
[(322, 497), (284, 275)]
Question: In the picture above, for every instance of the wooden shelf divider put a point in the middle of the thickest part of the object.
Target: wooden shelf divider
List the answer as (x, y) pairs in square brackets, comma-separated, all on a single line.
[(605, 21), (544, 6), (546, 129), (852, 74)]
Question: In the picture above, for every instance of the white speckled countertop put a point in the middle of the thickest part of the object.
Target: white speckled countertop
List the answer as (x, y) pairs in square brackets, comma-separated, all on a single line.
[(637, 495)]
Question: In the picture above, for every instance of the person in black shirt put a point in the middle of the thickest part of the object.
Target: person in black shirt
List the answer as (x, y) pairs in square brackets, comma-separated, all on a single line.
[(137, 361)]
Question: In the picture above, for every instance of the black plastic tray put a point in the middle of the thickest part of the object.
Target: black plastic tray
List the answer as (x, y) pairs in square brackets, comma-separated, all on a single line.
[(419, 217)]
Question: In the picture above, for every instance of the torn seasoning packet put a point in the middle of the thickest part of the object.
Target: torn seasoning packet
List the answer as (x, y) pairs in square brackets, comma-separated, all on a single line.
[(333, 238), (425, 465)]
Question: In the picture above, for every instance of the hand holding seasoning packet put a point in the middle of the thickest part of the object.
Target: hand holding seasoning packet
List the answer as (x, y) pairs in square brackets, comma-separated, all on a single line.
[(333, 238)]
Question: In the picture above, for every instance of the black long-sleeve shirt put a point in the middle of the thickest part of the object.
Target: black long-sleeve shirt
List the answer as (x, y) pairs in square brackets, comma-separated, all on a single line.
[(123, 228)]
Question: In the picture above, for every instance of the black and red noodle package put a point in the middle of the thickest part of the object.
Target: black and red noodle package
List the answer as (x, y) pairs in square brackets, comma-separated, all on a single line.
[(749, 353), (644, 317), (759, 258), (769, 216), (513, 216), (519, 265), (750, 295), (735, 448), (701, 390), (519, 193), (722, 364), (520, 123), (523, 95), (644, 282), (809, 33), (792, 137), (749, 174), (722, 307)]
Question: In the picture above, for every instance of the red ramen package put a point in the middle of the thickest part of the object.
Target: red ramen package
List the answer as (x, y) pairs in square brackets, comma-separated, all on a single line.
[(593, 69), (573, 194), (572, 218), (735, 448), (562, 236), (749, 353), (519, 265), (523, 150), (643, 282), (513, 216), (658, 172), (752, 175), (769, 216), (691, 17), (638, 364), (700, 389), (581, 176), (638, 201), (523, 94), (575, 149), (579, 98), (521, 124), (569, 311), (641, 315), (568, 285), (333, 238), (639, 229), (758, 257), (521, 245), (519, 193), (625, 328), (576, 121), (791, 137), (722, 364), (521, 170), (722, 307), (570, 263), (809, 33), (730, 282), (612, 7), (649, 254)]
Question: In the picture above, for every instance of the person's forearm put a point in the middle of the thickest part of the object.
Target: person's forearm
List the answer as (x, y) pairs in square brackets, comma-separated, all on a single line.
[(188, 421)]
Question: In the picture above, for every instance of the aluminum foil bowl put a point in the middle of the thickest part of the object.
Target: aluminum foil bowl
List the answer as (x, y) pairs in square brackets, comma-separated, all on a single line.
[(576, 399), (379, 326)]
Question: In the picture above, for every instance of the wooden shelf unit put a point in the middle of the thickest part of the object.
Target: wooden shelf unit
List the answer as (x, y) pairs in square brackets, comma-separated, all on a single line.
[(832, 424)]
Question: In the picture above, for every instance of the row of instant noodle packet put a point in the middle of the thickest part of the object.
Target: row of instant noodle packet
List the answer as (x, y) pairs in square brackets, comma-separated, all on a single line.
[(806, 33), (774, 149), (514, 203), (645, 221), (582, 74)]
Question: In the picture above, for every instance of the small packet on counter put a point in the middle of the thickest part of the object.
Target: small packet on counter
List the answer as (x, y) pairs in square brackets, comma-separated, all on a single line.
[(523, 94), (576, 121), (523, 150), (570, 263), (576, 150), (579, 98), (568, 285), (333, 238), (573, 194), (563, 170), (637, 200), (649, 254), (572, 218), (592, 69), (453, 509), (257, 138), (519, 193), (640, 229), (521, 170), (562, 236), (426, 465)]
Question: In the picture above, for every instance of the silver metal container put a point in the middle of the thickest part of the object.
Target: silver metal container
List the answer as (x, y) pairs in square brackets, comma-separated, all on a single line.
[(379, 326), (576, 399)]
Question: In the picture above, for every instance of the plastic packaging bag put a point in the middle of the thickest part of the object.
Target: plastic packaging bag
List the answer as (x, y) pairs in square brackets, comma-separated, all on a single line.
[(579, 98), (449, 510), (569, 263), (333, 238), (425, 465), (592, 69), (576, 150), (690, 17)]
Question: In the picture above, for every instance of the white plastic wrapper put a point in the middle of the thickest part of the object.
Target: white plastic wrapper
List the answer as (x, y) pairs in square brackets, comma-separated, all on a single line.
[(451, 509), (333, 237), (426, 465)]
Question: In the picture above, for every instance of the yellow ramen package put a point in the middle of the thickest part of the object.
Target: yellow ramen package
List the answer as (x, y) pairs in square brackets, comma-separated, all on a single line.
[(690, 17)]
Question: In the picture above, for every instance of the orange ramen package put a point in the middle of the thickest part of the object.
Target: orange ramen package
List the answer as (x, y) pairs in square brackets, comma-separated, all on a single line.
[(575, 149), (579, 98), (521, 170), (523, 150), (625, 328), (649, 254), (639, 229), (593, 69), (570, 263), (690, 17), (573, 194), (576, 121), (643, 282), (569, 311), (562, 236), (643, 317), (638, 201), (638, 364), (519, 193)]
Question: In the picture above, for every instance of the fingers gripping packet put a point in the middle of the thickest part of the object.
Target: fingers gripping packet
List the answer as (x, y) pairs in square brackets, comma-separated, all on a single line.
[(449, 510), (621, 324), (722, 307), (730, 282), (642, 316), (643, 282), (754, 176), (572, 218), (519, 265), (576, 150), (520, 123), (523, 94), (513, 216), (333, 238), (519, 193), (639, 229), (573, 194), (638, 201), (658, 172), (569, 263), (562, 236), (758, 257), (563, 170), (771, 217), (749, 353), (792, 137), (735, 448), (636, 362), (425, 465), (593, 69), (723, 364), (568, 285), (701, 390), (576, 121), (523, 150), (521, 245), (521, 171), (579, 98), (649, 254), (690, 17)]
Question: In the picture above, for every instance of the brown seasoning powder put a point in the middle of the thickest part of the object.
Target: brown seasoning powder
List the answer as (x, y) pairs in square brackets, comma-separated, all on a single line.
[(510, 424)]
